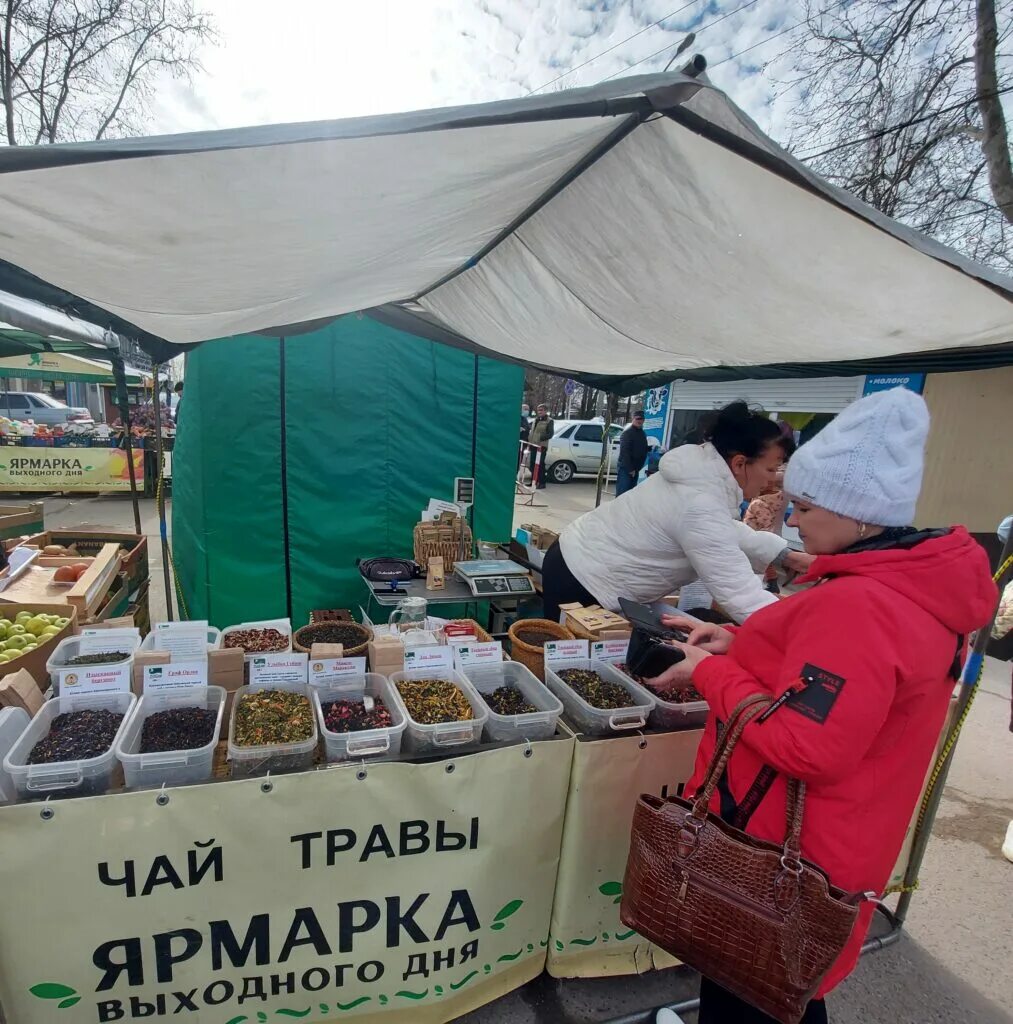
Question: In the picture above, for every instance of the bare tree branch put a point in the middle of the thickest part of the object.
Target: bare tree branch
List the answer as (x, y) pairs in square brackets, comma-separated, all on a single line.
[(994, 142)]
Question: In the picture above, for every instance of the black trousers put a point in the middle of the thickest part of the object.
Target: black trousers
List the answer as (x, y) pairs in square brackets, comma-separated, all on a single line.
[(719, 1006), (560, 586)]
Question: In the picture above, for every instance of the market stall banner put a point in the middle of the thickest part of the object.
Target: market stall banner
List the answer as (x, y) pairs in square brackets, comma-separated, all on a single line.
[(587, 939), (656, 405), (61, 366), (411, 893), (68, 469)]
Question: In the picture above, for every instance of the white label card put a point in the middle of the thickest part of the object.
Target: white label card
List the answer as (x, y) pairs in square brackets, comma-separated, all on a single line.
[(182, 639), (187, 676), (473, 655), (82, 679), (277, 671), (327, 670), (566, 650), (612, 651), (434, 658), (100, 641)]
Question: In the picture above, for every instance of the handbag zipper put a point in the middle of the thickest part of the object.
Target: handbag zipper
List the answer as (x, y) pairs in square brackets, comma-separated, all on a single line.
[(716, 889)]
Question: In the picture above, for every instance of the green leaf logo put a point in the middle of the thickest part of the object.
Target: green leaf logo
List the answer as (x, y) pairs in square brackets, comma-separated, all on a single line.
[(612, 889), (86, 468), (67, 1003), (508, 911), (52, 990)]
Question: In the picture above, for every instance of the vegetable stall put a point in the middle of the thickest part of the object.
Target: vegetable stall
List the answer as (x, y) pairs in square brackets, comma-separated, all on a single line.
[(406, 888)]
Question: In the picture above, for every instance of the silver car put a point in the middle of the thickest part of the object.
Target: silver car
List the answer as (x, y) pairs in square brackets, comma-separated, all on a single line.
[(575, 448), (32, 405)]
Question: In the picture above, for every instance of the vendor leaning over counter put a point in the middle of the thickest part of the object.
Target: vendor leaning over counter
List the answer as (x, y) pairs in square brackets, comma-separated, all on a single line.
[(680, 525)]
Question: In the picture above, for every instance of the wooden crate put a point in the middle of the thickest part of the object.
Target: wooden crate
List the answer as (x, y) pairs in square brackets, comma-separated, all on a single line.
[(90, 542), (36, 585), (18, 520)]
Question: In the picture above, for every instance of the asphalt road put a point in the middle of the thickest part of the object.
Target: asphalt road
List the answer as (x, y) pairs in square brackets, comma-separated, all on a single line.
[(900, 985)]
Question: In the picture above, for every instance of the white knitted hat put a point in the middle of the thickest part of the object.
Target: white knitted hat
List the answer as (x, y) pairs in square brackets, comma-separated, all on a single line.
[(867, 464)]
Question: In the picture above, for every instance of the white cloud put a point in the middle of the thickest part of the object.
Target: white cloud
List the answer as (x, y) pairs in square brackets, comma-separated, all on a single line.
[(316, 59)]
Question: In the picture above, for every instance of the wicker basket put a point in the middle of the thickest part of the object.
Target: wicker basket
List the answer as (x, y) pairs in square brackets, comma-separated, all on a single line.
[(350, 652), (529, 656), (429, 545)]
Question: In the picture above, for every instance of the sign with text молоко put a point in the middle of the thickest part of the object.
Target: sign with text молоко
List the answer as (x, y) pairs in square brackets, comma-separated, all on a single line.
[(885, 381), (402, 893), (68, 469)]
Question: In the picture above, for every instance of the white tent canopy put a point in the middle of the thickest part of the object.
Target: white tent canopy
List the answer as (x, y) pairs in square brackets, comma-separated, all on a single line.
[(641, 226)]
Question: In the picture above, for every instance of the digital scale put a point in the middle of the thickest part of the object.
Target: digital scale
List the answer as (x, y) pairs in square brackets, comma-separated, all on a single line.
[(495, 578)]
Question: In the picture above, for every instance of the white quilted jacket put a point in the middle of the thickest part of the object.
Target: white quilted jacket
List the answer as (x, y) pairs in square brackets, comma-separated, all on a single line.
[(679, 525)]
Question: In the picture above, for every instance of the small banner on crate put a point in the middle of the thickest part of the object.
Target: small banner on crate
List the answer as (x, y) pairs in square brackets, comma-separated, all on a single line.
[(411, 897)]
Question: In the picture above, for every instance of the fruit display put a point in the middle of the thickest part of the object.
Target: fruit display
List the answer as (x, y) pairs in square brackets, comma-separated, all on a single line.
[(28, 631), (70, 573)]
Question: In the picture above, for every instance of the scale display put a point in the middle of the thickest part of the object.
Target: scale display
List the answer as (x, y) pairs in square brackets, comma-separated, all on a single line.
[(495, 578)]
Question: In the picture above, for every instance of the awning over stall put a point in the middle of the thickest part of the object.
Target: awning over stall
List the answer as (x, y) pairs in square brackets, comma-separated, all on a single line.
[(640, 227), (63, 366)]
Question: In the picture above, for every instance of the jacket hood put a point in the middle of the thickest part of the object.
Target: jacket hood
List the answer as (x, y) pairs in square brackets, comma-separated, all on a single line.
[(948, 576), (700, 467)]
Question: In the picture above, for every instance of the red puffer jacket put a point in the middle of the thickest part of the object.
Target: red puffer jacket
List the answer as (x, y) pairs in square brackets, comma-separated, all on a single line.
[(868, 652)]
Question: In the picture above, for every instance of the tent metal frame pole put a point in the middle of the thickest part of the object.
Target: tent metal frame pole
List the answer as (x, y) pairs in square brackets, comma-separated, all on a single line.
[(163, 533), (611, 408), (123, 402)]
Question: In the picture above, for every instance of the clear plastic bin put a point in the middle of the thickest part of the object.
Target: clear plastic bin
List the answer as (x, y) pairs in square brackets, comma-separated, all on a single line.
[(13, 722), (284, 626), (88, 777), (373, 743), (214, 640), (671, 716), (435, 739), (536, 725), (595, 721), (273, 757), (171, 767), (70, 647)]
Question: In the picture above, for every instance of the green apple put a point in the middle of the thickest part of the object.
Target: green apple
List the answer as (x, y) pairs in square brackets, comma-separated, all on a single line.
[(61, 622), (29, 647), (14, 655), (23, 617), (36, 625), (50, 631), (15, 643), (16, 630), (5, 623), (5, 656)]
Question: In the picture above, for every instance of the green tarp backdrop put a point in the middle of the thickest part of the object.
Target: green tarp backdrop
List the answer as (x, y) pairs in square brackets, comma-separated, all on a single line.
[(296, 456)]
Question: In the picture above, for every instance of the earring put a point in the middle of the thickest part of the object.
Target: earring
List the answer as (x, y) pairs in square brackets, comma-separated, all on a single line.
[(861, 531)]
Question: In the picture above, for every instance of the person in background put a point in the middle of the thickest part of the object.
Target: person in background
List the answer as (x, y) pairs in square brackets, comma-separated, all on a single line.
[(766, 512), (541, 433), (861, 667), (525, 431), (632, 454), (680, 525), (179, 400)]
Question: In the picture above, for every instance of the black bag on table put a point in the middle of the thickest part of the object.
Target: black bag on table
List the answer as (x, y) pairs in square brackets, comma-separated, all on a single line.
[(389, 570)]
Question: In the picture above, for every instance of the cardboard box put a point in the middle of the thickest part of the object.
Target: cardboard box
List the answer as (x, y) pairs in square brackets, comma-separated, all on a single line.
[(88, 542), (35, 661), (225, 669), (590, 621), (327, 651), (20, 690), (386, 655)]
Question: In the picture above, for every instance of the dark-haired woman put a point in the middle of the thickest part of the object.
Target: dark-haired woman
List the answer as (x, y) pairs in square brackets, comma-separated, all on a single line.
[(680, 525)]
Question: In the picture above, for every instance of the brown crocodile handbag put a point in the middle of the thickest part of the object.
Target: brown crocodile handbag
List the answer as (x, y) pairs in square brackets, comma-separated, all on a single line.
[(750, 915)]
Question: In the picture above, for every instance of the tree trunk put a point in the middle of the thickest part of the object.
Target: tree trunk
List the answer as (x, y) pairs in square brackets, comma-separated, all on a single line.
[(995, 142)]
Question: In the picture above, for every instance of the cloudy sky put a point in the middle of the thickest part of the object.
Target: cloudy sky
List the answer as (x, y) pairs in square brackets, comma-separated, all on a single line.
[(315, 59)]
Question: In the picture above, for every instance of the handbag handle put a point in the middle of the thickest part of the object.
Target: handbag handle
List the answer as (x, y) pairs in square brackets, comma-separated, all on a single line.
[(743, 714)]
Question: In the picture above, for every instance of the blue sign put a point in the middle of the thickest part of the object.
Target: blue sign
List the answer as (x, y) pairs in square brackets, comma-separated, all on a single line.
[(885, 381), (656, 402), (569, 387)]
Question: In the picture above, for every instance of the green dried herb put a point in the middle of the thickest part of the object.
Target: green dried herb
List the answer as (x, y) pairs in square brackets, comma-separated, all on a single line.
[(434, 701), (272, 716), (599, 693)]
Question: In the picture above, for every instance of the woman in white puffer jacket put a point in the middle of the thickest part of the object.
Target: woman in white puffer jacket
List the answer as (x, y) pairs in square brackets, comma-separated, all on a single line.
[(680, 525)]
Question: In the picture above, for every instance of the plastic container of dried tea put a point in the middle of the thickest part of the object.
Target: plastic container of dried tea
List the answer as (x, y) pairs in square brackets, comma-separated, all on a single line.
[(171, 767), (70, 647), (86, 777), (539, 724), (443, 736), (13, 722), (375, 744), (271, 757), (598, 721)]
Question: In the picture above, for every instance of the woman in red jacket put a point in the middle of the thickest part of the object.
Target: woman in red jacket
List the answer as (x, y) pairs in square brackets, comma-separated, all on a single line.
[(862, 665)]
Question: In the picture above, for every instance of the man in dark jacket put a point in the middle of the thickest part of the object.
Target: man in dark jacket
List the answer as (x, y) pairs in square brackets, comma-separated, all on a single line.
[(632, 455), (541, 433)]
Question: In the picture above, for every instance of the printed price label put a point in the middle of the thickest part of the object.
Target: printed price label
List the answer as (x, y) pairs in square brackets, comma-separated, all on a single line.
[(87, 679), (612, 651), (473, 655), (566, 650), (278, 671), (181, 639), (327, 670), (187, 676), (437, 659), (102, 641)]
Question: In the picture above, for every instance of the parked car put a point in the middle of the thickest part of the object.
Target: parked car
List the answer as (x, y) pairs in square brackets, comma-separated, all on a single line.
[(575, 449), (32, 405)]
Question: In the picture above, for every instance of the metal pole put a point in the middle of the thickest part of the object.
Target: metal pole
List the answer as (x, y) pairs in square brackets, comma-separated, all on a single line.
[(162, 531), (123, 401), (969, 679), (611, 407)]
